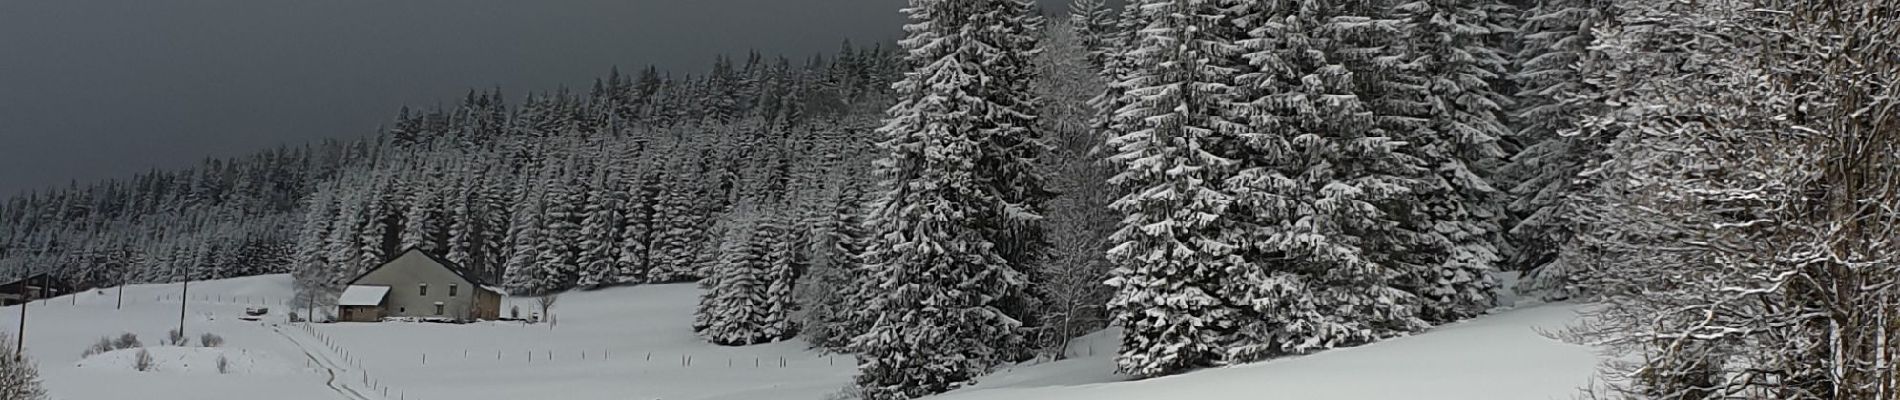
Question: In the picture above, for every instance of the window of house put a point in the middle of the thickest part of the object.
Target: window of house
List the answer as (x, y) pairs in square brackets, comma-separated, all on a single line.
[(424, 291), (452, 288), (438, 308)]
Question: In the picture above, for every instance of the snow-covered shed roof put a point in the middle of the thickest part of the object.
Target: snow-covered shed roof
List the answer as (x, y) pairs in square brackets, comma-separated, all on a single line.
[(363, 295)]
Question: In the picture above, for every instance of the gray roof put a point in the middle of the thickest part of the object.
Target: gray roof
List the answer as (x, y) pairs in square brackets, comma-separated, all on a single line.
[(457, 269)]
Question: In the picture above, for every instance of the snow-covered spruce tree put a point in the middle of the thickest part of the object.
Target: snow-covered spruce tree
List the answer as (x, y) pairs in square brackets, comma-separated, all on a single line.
[(941, 285), (461, 212), (1741, 235), (748, 296), (19, 379), (525, 235), (1012, 144), (1323, 203), (678, 225), (1552, 96), (490, 250), (1116, 69), (419, 206), (558, 257), (312, 271), (784, 261), (834, 299), (1455, 129), (376, 225), (1093, 23), (734, 295), (635, 231), (599, 243), (341, 245), (1171, 251)]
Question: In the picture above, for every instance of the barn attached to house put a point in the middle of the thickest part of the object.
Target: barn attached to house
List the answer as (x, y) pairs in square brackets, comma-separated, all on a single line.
[(419, 285)]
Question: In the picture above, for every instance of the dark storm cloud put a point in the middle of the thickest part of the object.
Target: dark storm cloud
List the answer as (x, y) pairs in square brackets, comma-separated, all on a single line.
[(96, 89)]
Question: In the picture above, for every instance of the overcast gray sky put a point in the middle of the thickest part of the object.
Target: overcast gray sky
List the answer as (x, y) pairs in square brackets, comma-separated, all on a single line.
[(93, 89)]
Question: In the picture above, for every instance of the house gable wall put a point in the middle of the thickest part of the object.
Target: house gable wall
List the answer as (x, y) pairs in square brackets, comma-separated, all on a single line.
[(407, 273)]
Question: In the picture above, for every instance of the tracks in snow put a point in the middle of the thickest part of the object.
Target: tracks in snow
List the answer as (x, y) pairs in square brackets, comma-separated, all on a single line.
[(322, 359)]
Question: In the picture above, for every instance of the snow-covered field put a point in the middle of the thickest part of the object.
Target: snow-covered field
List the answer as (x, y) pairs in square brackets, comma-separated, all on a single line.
[(1495, 357), (265, 363), (634, 343)]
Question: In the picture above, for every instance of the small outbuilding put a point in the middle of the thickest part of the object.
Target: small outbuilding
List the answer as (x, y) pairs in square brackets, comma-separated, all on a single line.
[(32, 287), (419, 285)]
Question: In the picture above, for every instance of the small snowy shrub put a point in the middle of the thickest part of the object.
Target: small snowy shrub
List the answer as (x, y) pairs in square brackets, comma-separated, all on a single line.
[(103, 345), (142, 361), (108, 343), (514, 312), (126, 341), (224, 364), (176, 337), (210, 340), (19, 379)]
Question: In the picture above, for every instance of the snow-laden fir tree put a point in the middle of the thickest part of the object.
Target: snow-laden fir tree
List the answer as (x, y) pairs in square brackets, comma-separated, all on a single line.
[(420, 207), (373, 225), (942, 286), (1322, 207), (342, 242), (461, 209), (1552, 96), (558, 258), (1456, 129), (748, 297), (1171, 251), (1117, 66), (1013, 147), (1094, 24), (834, 312), (599, 241), (312, 272), (636, 229), (677, 223), (525, 235), (733, 296), (784, 260), (1009, 133)]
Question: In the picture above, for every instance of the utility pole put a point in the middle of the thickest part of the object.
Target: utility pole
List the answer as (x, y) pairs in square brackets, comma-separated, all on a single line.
[(183, 299), (25, 298), (122, 282), (19, 346)]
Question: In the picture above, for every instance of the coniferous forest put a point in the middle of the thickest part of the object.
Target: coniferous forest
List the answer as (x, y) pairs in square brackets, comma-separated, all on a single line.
[(1226, 181)]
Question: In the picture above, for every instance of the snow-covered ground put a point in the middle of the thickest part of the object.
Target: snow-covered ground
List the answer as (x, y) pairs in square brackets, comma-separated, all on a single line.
[(622, 343), (266, 364), (1495, 357), (635, 343)]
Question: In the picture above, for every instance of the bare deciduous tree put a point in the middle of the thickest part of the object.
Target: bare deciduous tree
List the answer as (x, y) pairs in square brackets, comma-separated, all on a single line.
[(1743, 233), (546, 302)]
